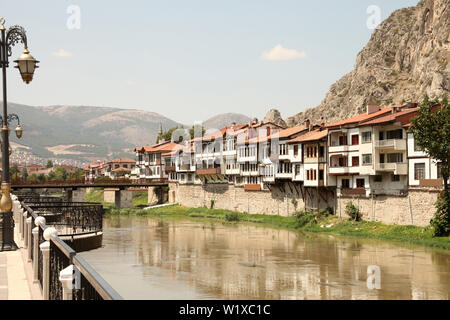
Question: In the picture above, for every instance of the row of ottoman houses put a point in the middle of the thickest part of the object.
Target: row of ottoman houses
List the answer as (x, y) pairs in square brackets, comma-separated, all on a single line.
[(115, 169), (370, 153)]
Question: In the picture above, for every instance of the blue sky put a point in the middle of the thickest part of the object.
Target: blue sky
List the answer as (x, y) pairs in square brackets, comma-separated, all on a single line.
[(190, 60)]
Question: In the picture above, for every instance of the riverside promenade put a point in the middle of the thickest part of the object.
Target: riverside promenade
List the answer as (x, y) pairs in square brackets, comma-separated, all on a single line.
[(16, 275)]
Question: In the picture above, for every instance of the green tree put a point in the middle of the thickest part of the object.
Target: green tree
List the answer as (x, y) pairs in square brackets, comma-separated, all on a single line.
[(167, 136), (24, 174), (431, 130), (61, 174), (32, 177), (49, 164), (194, 128), (41, 177)]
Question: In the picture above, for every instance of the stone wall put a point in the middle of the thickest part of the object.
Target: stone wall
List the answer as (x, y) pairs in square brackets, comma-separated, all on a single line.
[(229, 197), (417, 208)]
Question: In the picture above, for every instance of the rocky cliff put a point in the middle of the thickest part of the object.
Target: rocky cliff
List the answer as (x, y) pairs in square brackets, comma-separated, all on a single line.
[(274, 116), (407, 57)]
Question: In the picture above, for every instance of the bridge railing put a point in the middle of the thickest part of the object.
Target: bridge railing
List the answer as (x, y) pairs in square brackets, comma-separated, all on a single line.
[(59, 271), (72, 217), (63, 183)]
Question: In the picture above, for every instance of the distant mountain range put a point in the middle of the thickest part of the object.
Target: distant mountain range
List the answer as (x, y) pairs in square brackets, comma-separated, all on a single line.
[(81, 134)]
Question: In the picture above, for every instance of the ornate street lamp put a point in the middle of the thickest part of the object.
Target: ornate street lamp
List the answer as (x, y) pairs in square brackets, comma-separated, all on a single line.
[(26, 65)]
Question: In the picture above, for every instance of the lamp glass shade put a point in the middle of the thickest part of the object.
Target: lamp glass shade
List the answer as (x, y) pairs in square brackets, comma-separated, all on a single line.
[(26, 65), (19, 131)]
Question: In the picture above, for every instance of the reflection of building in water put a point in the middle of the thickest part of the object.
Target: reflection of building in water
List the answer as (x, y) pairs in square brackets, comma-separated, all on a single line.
[(252, 262)]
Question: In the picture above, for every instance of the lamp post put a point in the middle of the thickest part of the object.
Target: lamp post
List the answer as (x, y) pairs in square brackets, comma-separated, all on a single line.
[(26, 65)]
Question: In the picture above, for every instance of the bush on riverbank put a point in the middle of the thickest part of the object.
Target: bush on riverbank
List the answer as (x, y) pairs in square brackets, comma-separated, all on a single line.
[(441, 220), (352, 211)]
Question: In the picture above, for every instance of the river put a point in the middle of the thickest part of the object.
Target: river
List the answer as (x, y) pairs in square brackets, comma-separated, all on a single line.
[(183, 258)]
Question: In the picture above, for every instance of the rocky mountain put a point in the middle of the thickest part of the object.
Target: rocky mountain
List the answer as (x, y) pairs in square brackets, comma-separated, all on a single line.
[(274, 116), (407, 57), (83, 133), (225, 119)]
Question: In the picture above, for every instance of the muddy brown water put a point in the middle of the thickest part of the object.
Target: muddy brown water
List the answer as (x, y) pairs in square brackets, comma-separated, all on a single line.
[(182, 258)]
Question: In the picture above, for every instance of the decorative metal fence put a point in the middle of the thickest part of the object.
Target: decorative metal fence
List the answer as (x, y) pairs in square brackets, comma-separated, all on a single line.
[(72, 217), (54, 256)]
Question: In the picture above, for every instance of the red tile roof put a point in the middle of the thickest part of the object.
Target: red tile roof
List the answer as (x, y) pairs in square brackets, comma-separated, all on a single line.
[(123, 160), (310, 136), (364, 117), (282, 134), (400, 116)]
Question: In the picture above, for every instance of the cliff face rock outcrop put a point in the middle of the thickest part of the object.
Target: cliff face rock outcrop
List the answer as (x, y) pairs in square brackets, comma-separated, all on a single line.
[(407, 57), (274, 116)]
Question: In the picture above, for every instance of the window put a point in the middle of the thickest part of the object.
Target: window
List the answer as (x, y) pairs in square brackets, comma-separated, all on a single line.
[(297, 169), (394, 134), (314, 175), (439, 170), (360, 183), (342, 140), (419, 171), (345, 183), (355, 140), (366, 137), (395, 157), (378, 178), (416, 147), (320, 174), (321, 151), (342, 162), (295, 150), (355, 161), (367, 159), (395, 178)]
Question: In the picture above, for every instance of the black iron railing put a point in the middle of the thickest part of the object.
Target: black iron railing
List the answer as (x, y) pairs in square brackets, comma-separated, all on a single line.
[(71, 217), (61, 255)]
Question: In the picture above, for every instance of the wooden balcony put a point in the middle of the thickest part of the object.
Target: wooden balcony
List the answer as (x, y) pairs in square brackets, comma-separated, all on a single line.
[(351, 192), (252, 187), (209, 171), (170, 169)]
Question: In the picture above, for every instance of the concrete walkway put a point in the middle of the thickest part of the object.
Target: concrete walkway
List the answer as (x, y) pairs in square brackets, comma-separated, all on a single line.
[(16, 275)]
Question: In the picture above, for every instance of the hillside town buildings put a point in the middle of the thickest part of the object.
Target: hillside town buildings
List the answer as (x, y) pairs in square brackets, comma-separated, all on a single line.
[(368, 154)]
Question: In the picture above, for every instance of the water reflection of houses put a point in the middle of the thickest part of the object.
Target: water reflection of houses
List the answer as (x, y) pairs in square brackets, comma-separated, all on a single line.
[(248, 262)]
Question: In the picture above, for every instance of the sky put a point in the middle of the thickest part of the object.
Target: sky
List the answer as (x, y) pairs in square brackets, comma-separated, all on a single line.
[(190, 60)]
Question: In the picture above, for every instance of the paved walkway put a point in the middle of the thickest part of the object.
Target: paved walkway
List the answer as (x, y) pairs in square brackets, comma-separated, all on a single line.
[(15, 275)]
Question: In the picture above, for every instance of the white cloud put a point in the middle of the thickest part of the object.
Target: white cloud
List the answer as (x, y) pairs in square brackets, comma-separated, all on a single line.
[(62, 53), (278, 53)]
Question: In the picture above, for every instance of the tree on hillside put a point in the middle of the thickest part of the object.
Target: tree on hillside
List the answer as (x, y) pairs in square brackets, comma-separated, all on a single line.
[(431, 129), (49, 164), (32, 177)]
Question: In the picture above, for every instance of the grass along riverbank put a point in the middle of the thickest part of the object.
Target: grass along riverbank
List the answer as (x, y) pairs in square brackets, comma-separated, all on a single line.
[(309, 222)]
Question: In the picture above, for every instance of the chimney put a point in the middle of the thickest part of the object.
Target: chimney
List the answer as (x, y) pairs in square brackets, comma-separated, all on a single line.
[(307, 123), (395, 109), (255, 121), (311, 127), (233, 124), (372, 108), (268, 131)]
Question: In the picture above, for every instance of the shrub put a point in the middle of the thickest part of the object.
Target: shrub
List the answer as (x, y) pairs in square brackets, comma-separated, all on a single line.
[(352, 211), (305, 218), (231, 216), (441, 219), (212, 204), (295, 203)]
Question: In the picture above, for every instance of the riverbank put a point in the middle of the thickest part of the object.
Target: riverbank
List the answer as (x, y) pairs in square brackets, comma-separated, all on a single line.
[(315, 223)]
